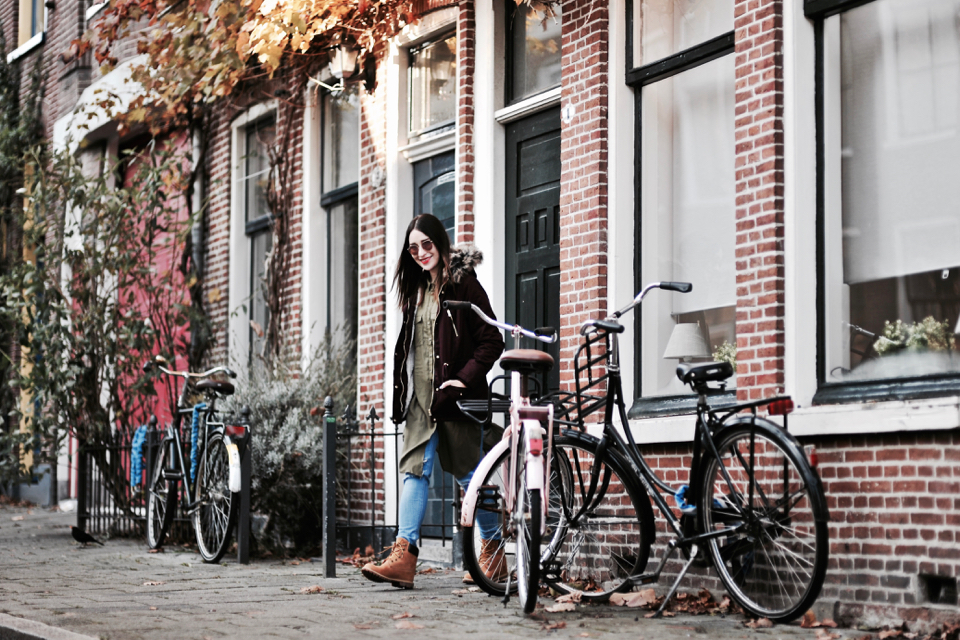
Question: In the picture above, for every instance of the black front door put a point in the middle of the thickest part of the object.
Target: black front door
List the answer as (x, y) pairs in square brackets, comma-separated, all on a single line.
[(533, 227)]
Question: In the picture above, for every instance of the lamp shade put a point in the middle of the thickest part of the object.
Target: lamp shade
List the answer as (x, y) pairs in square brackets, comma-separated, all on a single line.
[(686, 341), (343, 61)]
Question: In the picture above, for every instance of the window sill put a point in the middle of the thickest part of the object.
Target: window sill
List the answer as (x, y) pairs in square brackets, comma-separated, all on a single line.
[(879, 391), (527, 107), (936, 414), (430, 146), (26, 47)]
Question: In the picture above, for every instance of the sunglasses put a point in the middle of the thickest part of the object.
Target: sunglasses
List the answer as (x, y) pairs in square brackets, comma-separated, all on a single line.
[(415, 249)]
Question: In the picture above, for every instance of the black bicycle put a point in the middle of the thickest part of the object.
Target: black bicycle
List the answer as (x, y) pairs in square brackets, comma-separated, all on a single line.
[(209, 480), (751, 499)]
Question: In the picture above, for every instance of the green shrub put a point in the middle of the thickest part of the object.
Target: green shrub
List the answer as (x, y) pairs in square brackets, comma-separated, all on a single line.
[(286, 410)]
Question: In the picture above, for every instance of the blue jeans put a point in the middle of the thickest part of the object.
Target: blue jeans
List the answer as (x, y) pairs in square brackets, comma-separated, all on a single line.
[(413, 500)]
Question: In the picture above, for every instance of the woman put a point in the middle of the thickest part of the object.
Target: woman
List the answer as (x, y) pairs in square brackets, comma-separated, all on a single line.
[(441, 356)]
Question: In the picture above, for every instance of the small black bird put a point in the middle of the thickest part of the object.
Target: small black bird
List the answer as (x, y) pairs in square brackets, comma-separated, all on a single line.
[(82, 536)]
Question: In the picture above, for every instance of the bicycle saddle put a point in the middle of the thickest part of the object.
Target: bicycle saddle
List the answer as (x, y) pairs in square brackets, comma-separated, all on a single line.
[(706, 372), (529, 360), (222, 387)]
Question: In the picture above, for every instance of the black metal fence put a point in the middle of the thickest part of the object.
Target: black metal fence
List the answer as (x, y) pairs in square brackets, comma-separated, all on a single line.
[(107, 502), (358, 443)]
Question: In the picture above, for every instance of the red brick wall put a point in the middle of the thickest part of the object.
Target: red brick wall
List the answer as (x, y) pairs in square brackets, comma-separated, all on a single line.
[(466, 42), (759, 204), (583, 178)]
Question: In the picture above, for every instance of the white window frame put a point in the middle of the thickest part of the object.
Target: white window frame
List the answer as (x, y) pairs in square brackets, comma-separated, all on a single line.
[(239, 290)]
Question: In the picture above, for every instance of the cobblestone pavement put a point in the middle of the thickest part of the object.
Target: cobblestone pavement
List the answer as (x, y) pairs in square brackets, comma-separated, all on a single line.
[(120, 591)]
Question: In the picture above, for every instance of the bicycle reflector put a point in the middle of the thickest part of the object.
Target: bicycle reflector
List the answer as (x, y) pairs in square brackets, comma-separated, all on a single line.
[(235, 430), (780, 407)]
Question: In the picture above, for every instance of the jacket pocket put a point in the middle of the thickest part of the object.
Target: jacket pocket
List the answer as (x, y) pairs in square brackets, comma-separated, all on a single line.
[(445, 402)]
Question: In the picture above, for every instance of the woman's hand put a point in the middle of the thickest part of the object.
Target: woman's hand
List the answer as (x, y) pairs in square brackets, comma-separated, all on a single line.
[(453, 383)]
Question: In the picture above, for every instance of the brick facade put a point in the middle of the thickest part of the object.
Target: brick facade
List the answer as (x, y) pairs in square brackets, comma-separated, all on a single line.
[(895, 510), (759, 205), (583, 179)]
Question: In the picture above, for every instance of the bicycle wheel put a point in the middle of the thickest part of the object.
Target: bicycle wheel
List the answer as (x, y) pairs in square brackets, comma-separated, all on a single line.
[(774, 564), (529, 517), (215, 514), (595, 541), (161, 497), (489, 547)]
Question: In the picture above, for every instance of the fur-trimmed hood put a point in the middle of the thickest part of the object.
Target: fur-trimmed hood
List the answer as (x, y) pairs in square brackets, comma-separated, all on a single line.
[(464, 259)]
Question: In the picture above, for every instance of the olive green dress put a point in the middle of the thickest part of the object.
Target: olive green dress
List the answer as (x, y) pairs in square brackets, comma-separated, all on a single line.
[(420, 425)]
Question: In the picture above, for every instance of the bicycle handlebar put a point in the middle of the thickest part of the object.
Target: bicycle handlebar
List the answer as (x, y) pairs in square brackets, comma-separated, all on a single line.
[(536, 334), (159, 361), (610, 325)]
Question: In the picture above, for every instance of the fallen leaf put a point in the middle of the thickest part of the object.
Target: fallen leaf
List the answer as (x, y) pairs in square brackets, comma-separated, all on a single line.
[(153, 583), (584, 635), (294, 563), (427, 570), (314, 589), (460, 592), (634, 599), (760, 623), (563, 606), (823, 634), (160, 550), (153, 608), (17, 518), (808, 620), (406, 624), (473, 589), (826, 623), (574, 596), (364, 625), (401, 616), (554, 625)]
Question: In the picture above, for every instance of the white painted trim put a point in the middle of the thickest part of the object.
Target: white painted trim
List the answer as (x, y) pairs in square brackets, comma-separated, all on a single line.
[(427, 27), (429, 146), (939, 414), (89, 119), (530, 105), (620, 190), (238, 279), (27, 46), (800, 206), (314, 244), (94, 10)]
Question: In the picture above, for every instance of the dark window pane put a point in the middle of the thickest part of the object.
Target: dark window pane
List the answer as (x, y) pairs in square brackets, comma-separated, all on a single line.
[(534, 50), (893, 232), (433, 84)]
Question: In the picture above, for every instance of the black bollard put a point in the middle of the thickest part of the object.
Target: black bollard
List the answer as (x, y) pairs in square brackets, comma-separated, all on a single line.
[(329, 490), (246, 469)]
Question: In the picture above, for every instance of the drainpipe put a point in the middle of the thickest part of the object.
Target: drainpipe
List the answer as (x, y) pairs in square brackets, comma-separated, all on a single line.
[(196, 232)]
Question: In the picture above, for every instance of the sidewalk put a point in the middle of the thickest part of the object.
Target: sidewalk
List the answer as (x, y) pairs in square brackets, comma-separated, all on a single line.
[(120, 591)]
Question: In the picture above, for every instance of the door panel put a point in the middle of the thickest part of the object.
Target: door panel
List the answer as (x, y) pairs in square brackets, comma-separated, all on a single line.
[(533, 227)]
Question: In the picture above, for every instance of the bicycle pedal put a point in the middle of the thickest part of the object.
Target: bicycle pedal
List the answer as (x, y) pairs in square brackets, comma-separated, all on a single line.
[(170, 474), (550, 572)]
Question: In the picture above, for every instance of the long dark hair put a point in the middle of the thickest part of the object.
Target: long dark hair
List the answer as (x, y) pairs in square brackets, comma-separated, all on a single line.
[(410, 279)]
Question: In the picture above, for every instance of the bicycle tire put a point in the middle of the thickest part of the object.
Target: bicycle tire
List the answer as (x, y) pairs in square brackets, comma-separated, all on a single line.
[(216, 512), (775, 565), (529, 517), (595, 550), (162, 498)]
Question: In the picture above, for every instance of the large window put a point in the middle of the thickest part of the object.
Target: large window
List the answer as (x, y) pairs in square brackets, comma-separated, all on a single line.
[(258, 140), (889, 218), (533, 50), (433, 84), (30, 19), (686, 223), (435, 181), (341, 168)]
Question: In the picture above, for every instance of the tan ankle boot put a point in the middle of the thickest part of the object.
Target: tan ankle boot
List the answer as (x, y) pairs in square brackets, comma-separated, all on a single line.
[(398, 569), (491, 560)]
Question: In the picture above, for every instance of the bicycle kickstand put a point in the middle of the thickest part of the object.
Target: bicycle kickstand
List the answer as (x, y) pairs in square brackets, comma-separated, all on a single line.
[(676, 583)]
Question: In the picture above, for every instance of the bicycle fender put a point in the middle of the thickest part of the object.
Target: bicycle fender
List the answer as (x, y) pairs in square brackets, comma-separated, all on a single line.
[(791, 442), (234, 453), (469, 505)]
